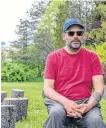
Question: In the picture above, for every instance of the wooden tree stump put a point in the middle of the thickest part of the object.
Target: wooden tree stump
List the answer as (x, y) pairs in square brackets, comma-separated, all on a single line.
[(3, 95), (17, 93), (21, 104), (8, 116)]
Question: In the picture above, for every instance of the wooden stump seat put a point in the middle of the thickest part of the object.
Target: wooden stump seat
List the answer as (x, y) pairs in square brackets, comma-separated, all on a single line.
[(17, 93), (3, 95), (8, 116), (21, 104)]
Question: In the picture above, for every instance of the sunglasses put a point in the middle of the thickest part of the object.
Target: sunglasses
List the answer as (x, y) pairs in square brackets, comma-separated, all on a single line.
[(79, 33)]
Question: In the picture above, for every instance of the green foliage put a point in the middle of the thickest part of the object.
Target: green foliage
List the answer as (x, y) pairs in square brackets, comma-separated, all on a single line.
[(100, 49), (44, 42), (60, 10), (61, 16), (53, 20), (25, 50), (17, 72), (99, 34), (100, 12), (41, 32)]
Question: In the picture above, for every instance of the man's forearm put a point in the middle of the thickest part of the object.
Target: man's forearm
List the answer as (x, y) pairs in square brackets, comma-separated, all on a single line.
[(91, 103), (94, 99), (52, 94)]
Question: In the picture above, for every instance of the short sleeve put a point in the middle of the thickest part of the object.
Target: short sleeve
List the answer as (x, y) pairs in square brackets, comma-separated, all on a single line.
[(97, 68), (50, 67)]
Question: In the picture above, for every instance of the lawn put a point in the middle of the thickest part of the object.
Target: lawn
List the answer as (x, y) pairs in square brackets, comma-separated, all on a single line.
[(36, 110)]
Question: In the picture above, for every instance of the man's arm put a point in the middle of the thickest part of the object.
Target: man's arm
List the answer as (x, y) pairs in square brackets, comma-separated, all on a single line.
[(98, 85), (52, 94)]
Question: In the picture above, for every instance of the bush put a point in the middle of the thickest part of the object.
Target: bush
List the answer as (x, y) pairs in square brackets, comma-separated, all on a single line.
[(100, 49), (17, 72)]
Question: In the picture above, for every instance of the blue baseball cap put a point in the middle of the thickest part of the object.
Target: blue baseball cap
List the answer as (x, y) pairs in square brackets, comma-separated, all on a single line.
[(71, 22)]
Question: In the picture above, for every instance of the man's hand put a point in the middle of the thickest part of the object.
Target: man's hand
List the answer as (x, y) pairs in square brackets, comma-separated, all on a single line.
[(82, 108), (71, 108)]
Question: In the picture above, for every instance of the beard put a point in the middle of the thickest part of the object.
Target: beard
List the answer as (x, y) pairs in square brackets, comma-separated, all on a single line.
[(74, 45)]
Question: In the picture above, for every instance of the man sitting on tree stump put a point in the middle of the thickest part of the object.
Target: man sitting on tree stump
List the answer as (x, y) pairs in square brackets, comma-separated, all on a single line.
[(69, 77)]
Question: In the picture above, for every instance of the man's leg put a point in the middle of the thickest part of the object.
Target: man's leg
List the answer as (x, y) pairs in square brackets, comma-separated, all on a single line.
[(92, 119), (57, 115)]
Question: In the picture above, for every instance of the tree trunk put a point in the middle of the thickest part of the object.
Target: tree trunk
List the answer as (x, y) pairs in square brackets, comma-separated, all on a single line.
[(3, 95), (21, 104), (8, 116), (17, 93)]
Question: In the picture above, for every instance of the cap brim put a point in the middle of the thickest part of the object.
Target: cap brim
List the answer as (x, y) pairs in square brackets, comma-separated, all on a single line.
[(74, 24)]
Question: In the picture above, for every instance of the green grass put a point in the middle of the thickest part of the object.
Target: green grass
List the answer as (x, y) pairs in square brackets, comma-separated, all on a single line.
[(37, 113), (36, 109)]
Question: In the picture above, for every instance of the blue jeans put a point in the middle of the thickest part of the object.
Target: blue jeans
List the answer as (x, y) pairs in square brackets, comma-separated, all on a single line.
[(57, 116)]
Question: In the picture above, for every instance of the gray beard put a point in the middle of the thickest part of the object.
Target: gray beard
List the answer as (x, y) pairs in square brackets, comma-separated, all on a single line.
[(74, 47)]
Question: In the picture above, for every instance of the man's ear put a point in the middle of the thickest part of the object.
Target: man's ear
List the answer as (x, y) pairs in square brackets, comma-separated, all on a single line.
[(63, 36)]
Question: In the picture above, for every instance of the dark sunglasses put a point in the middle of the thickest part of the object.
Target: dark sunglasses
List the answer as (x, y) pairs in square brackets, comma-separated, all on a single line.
[(71, 33)]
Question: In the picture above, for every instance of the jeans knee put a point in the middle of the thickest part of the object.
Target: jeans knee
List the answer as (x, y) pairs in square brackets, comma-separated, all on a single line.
[(95, 119), (57, 113)]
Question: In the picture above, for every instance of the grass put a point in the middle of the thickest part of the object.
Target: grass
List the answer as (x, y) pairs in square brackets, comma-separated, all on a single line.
[(36, 109), (37, 113)]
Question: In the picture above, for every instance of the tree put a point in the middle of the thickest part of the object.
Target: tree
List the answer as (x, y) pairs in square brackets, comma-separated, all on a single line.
[(61, 10), (35, 13), (98, 33), (44, 42), (24, 34), (26, 29)]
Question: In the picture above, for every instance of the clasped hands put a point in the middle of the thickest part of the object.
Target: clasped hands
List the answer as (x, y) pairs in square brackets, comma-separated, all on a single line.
[(75, 110)]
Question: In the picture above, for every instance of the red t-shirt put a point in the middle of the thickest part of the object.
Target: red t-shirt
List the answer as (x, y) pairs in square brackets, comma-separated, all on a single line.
[(73, 73)]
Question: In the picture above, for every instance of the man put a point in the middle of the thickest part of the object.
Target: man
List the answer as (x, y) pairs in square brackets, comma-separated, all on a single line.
[(70, 75)]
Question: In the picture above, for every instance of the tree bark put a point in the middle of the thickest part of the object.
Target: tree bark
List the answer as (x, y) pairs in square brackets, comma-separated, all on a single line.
[(21, 104), (3, 95), (8, 116), (17, 93)]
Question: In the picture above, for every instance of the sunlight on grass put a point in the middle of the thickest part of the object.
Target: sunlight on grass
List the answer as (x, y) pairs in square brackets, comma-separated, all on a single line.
[(37, 112)]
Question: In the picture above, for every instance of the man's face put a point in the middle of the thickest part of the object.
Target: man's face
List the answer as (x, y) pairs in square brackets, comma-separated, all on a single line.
[(74, 37)]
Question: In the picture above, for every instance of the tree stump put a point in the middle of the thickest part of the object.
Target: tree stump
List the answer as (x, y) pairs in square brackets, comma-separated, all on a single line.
[(8, 116), (17, 93), (21, 104), (3, 95)]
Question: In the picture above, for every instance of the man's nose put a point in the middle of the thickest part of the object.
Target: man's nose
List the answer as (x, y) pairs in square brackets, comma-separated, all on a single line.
[(75, 35)]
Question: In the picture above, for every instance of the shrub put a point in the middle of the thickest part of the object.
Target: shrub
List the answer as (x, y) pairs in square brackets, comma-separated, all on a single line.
[(17, 72), (100, 49)]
